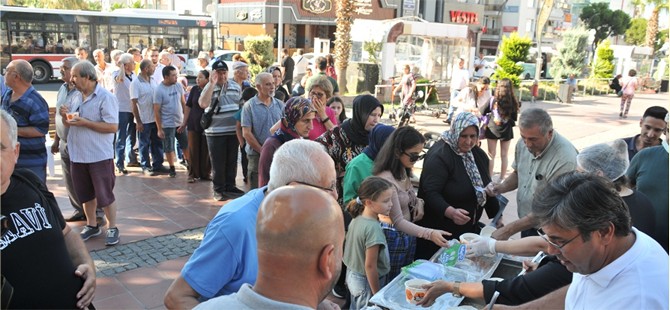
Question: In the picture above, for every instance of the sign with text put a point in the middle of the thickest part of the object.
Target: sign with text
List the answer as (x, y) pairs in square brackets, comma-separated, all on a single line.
[(462, 17), (317, 6)]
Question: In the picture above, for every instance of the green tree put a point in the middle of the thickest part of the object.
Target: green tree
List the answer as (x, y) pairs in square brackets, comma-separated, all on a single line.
[(604, 67), (513, 49), (53, 4), (572, 54), (605, 22), (636, 33), (344, 18), (652, 27), (260, 53)]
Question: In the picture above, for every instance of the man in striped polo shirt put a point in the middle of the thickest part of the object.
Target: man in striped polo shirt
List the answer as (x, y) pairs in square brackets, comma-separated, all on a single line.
[(31, 113)]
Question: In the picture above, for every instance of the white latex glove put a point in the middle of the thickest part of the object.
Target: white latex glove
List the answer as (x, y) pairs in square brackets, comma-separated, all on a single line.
[(481, 246)]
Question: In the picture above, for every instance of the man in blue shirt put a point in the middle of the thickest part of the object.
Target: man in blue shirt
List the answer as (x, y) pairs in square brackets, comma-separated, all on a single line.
[(31, 113), (227, 257)]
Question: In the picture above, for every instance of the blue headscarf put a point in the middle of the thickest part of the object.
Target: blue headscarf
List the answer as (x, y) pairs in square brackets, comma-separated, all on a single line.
[(377, 137)]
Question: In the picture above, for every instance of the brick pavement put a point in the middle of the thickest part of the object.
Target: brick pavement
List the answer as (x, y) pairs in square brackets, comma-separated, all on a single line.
[(161, 219)]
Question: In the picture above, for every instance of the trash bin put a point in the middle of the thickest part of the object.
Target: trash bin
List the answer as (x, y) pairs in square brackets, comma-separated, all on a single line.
[(664, 86)]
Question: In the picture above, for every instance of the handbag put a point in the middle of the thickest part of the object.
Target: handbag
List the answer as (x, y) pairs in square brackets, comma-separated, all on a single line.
[(484, 120), (620, 93), (206, 118)]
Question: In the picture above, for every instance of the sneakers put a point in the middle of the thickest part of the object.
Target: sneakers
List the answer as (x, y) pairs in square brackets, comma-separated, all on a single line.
[(133, 164), (173, 173), (190, 180), (89, 231), (218, 196), (112, 236), (122, 170), (76, 217)]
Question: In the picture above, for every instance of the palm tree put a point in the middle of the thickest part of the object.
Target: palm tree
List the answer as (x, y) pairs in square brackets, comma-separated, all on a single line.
[(652, 26), (344, 10)]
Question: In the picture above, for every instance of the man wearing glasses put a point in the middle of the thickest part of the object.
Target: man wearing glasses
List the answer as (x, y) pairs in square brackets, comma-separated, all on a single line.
[(227, 258), (586, 224)]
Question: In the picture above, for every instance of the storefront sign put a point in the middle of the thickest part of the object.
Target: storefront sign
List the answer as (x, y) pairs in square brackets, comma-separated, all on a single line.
[(242, 15), (510, 28), (256, 14), (317, 6), (363, 7), (460, 17)]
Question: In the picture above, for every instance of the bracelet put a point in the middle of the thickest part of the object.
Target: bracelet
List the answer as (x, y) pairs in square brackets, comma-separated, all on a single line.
[(323, 121), (457, 289)]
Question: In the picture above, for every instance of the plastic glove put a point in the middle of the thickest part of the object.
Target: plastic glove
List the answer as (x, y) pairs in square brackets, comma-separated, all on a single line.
[(481, 246)]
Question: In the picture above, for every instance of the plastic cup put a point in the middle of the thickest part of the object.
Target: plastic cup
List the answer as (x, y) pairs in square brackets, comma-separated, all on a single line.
[(414, 292), (468, 237), (71, 116), (487, 231)]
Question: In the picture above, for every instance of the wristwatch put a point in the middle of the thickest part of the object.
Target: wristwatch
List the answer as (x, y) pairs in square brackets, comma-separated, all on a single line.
[(457, 289)]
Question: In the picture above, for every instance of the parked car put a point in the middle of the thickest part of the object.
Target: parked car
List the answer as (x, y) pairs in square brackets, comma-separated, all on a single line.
[(191, 68)]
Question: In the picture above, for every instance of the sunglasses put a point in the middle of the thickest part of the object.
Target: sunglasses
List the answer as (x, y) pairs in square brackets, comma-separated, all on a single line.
[(414, 157)]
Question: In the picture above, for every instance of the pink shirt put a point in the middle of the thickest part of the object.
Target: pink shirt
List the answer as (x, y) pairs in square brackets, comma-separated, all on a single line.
[(320, 128)]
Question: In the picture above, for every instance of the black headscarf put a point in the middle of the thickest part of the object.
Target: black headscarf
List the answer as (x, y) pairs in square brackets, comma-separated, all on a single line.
[(355, 126), (378, 136)]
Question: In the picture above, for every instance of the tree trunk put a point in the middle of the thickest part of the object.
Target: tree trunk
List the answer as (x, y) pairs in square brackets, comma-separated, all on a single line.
[(652, 27), (343, 21)]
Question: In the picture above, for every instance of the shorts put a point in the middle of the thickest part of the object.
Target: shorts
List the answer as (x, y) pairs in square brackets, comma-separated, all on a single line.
[(170, 134), (94, 181)]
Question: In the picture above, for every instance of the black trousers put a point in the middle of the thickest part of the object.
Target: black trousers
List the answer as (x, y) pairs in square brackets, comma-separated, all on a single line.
[(223, 157)]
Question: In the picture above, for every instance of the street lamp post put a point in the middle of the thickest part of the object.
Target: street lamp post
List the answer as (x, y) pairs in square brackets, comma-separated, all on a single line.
[(280, 30)]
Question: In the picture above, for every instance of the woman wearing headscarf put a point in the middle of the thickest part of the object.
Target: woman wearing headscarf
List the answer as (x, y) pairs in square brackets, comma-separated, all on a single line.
[(361, 166), (348, 140), (455, 171), (296, 124)]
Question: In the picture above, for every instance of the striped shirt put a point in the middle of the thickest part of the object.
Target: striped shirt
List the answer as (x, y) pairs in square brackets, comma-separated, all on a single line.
[(89, 146), (122, 90), (69, 98), (260, 118), (30, 110), (143, 91), (223, 121)]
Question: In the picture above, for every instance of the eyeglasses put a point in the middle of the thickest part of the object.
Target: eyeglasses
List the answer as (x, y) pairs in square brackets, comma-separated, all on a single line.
[(558, 247), (317, 95), (332, 189), (413, 157)]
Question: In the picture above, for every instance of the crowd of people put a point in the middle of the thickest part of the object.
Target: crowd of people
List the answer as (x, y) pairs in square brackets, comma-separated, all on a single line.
[(601, 214)]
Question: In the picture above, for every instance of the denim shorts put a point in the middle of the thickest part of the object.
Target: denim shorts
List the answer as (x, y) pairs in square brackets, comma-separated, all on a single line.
[(170, 135), (360, 290)]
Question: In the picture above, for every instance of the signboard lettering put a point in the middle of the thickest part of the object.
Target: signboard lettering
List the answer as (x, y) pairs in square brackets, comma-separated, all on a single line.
[(460, 17), (317, 6)]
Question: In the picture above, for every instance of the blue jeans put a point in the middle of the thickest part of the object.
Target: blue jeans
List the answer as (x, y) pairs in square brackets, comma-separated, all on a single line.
[(360, 290), (149, 140), (125, 140), (452, 105)]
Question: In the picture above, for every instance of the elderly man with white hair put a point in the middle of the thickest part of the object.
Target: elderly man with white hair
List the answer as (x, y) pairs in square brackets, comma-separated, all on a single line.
[(125, 135)]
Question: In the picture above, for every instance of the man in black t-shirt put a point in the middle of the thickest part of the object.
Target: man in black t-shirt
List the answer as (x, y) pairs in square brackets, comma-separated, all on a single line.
[(288, 64), (45, 262)]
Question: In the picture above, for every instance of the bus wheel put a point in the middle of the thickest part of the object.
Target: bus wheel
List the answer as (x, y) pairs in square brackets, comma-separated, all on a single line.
[(41, 72)]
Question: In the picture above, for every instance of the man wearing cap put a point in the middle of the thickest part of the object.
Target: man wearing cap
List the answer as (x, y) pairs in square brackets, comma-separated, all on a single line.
[(223, 95), (259, 114)]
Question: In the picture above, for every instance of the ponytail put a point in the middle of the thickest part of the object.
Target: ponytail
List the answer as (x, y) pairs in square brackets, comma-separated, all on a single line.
[(370, 189)]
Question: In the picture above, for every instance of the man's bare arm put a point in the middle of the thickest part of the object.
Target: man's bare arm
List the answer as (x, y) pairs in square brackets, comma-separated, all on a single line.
[(180, 295)]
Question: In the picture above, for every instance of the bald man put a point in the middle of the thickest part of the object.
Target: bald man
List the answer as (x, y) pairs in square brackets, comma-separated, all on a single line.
[(31, 113), (286, 216), (227, 257)]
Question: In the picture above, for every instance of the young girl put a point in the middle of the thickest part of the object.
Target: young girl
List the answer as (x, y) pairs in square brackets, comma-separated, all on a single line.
[(337, 105), (365, 251)]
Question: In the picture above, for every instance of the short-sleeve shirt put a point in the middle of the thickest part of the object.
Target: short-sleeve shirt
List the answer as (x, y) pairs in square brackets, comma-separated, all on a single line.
[(143, 91), (364, 233), (89, 146), (122, 90), (169, 99), (533, 172), (30, 110), (227, 256), (67, 97), (247, 299), (260, 118)]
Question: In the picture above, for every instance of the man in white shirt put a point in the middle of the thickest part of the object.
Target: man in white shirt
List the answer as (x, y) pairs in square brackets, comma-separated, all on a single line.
[(479, 63), (459, 79), (586, 224)]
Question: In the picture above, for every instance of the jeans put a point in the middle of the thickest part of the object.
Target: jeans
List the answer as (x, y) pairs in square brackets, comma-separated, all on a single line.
[(125, 140), (149, 140), (360, 290), (452, 104), (223, 157)]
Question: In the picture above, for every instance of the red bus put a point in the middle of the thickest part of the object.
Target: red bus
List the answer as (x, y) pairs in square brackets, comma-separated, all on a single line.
[(44, 37)]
